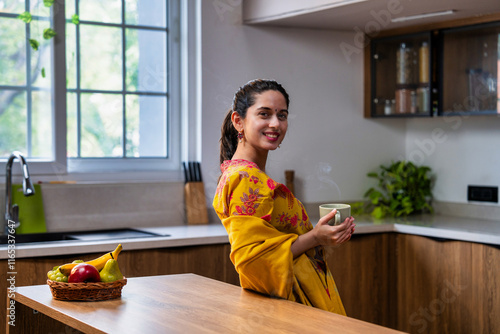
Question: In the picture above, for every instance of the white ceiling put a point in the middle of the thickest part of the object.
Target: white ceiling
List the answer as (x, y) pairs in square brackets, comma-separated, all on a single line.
[(346, 15)]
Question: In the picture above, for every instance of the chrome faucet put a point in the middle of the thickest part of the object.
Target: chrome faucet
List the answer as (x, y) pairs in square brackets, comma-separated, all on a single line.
[(12, 211)]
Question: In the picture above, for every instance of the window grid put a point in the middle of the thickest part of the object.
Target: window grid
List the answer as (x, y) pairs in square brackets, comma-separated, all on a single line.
[(78, 90), (27, 87), (53, 94)]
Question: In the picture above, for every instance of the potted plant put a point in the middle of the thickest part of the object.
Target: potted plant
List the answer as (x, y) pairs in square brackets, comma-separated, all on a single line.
[(403, 189)]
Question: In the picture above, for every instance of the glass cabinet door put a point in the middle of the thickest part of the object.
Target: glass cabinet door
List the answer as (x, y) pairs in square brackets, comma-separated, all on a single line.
[(401, 76), (470, 70)]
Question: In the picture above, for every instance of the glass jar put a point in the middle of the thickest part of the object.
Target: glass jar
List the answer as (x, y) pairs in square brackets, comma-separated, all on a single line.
[(423, 99), (423, 61), (388, 107), (404, 62), (403, 100)]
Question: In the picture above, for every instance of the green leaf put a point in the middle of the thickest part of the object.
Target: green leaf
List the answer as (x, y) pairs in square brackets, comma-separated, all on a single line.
[(34, 44), (49, 33), (368, 192), (48, 3), (374, 175), (378, 212), (43, 72), (375, 195), (75, 19), (25, 17)]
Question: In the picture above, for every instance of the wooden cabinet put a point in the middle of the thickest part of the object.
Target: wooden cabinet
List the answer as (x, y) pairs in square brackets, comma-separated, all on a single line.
[(364, 270), (209, 260), (446, 69), (419, 285), (447, 286), (470, 70), (401, 73)]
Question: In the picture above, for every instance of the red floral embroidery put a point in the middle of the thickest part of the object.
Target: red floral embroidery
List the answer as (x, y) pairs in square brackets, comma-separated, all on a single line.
[(267, 218), (243, 174), (294, 220), (246, 210), (271, 184), (254, 179), (249, 200), (252, 196), (283, 218), (304, 214)]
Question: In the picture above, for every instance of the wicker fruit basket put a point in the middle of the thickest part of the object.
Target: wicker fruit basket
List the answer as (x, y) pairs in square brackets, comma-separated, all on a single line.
[(92, 291)]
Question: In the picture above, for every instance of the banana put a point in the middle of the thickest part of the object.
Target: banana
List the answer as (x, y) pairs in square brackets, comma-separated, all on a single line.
[(99, 262)]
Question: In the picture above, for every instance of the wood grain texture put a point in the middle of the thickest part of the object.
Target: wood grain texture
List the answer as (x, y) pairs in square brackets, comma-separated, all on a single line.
[(367, 87), (189, 304), (208, 260), (447, 286), (195, 202), (365, 273)]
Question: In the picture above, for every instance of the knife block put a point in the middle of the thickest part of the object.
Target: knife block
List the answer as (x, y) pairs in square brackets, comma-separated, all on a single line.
[(196, 206)]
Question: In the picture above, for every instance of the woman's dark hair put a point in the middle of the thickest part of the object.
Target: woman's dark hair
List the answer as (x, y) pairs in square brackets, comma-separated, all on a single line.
[(243, 99)]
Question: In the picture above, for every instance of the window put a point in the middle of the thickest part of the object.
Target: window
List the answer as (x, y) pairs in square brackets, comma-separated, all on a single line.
[(120, 107), (25, 95)]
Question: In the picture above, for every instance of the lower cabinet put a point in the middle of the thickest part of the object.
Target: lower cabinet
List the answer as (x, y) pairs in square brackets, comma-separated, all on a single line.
[(209, 260), (364, 270), (447, 286), (419, 285)]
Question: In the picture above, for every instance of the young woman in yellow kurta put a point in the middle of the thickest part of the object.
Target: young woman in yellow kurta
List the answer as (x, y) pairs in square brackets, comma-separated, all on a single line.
[(274, 247)]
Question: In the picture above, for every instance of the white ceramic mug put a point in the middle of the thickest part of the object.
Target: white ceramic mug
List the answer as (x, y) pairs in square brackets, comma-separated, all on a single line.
[(343, 212)]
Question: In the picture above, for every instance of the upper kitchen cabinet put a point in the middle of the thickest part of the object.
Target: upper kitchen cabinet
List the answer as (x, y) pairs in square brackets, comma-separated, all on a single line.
[(470, 71), (435, 72), (368, 16), (401, 76)]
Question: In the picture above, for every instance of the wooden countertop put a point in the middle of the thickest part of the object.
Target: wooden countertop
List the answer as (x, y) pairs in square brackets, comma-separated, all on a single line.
[(189, 303)]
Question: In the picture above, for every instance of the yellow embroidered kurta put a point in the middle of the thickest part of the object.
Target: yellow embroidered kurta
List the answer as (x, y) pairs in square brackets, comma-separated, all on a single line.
[(263, 219)]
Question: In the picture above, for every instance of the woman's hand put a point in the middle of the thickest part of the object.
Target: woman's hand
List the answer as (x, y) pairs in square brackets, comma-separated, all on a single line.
[(324, 234), (327, 235)]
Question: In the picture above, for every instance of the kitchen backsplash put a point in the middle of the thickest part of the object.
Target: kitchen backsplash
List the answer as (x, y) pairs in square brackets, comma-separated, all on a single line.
[(80, 207)]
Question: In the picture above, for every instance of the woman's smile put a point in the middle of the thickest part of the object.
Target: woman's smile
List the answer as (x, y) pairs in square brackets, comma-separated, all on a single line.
[(272, 136)]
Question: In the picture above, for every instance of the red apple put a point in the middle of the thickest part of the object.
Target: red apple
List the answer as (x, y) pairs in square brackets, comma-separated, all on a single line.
[(84, 272)]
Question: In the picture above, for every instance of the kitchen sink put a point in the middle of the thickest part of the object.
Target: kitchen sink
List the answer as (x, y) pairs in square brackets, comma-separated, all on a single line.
[(125, 233), (36, 237), (110, 234)]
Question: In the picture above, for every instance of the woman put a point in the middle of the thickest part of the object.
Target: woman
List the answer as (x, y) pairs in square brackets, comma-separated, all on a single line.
[(274, 247)]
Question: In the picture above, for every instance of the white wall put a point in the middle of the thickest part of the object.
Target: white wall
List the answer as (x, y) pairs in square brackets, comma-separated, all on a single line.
[(461, 151), (329, 144)]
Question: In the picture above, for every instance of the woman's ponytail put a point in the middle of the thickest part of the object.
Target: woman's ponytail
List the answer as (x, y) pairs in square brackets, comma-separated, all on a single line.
[(228, 139)]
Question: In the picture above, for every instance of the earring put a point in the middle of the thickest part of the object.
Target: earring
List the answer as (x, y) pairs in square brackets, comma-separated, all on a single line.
[(240, 137)]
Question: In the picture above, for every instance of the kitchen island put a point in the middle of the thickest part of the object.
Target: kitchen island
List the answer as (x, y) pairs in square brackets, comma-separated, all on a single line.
[(177, 304)]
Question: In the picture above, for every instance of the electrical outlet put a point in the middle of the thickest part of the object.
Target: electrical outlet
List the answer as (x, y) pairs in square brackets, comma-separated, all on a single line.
[(482, 194)]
